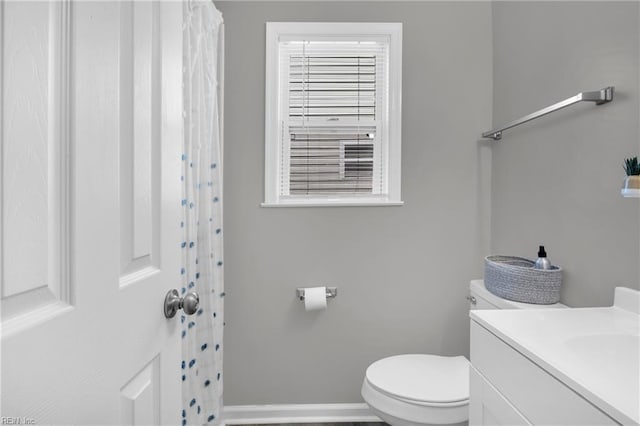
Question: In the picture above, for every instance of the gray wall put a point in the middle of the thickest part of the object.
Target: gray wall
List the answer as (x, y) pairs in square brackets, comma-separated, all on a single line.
[(402, 272), (556, 181)]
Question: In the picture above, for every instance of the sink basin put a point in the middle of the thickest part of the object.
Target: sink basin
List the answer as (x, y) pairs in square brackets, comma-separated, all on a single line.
[(615, 355), (607, 349)]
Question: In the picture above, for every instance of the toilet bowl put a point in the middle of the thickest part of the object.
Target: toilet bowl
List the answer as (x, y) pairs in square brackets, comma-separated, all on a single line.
[(416, 389), (421, 389)]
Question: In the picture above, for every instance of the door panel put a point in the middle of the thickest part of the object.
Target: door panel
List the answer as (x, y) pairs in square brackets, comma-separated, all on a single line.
[(139, 139), (91, 137), (141, 397), (35, 72)]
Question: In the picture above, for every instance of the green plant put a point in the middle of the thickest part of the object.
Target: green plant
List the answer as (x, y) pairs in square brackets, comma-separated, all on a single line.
[(631, 166)]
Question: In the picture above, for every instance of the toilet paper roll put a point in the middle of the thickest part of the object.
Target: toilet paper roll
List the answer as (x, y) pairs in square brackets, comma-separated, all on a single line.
[(315, 298)]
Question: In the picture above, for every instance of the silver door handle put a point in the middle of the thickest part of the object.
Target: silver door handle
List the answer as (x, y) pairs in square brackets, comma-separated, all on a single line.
[(173, 303), (472, 300)]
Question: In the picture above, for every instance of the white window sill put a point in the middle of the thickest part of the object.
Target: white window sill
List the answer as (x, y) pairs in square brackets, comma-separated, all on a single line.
[(332, 203)]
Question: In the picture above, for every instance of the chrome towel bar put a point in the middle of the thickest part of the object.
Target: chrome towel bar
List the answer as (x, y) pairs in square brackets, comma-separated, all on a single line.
[(600, 97)]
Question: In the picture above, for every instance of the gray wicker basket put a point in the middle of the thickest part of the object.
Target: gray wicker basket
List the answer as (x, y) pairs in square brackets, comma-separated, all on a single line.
[(515, 278)]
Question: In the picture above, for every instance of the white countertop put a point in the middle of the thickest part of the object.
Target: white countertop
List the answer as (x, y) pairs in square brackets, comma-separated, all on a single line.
[(594, 351)]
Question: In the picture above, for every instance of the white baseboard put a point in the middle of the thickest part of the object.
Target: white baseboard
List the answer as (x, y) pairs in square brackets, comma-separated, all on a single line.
[(297, 413)]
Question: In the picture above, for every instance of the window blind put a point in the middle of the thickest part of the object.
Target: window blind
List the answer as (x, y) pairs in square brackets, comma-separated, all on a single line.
[(326, 161), (332, 86), (334, 95)]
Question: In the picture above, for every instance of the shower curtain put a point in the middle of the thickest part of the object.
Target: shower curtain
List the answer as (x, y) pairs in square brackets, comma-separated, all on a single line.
[(201, 220)]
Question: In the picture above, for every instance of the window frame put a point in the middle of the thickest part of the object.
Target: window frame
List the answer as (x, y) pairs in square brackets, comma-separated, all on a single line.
[(392, 32)]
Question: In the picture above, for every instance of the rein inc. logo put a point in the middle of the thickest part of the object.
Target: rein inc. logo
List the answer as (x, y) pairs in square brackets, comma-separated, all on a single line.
[(6, 420)]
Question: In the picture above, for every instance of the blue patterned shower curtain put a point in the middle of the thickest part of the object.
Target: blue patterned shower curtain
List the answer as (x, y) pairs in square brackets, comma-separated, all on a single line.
[(201, 220)]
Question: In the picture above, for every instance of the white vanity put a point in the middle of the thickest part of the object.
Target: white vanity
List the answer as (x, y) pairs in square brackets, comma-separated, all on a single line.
[(557, 366)]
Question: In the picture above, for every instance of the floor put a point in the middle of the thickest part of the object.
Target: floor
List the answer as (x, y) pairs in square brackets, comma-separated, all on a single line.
[(326, 424)]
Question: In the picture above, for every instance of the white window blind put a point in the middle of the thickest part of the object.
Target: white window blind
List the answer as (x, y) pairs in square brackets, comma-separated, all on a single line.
[(328, 115), (335, 98), (331, 161)]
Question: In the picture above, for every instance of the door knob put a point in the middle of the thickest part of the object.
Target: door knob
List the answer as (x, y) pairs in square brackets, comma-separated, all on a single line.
[(173, 303)]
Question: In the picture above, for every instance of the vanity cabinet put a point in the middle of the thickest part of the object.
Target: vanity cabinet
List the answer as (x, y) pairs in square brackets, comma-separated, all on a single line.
[(507, 388)]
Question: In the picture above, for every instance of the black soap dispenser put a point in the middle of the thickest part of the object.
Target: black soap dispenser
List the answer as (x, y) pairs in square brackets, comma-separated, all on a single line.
[(543, 261)]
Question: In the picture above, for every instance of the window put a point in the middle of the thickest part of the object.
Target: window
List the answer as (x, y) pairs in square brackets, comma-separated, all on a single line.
[(333, 114)]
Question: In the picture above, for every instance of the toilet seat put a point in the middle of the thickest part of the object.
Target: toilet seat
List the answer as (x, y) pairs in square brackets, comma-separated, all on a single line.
[(423, 379), (418, 389)]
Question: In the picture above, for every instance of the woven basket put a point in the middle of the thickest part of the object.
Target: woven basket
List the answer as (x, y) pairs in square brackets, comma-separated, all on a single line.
[(515, 278)]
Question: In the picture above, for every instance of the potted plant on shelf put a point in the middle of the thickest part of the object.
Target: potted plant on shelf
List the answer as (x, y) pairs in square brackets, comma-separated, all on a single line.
[(631, 186)]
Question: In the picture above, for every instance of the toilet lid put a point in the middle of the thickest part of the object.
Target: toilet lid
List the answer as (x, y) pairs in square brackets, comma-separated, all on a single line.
[(422, 378)]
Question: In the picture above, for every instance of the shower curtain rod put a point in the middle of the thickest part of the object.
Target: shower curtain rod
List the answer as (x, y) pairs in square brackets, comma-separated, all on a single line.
[(600, 97)]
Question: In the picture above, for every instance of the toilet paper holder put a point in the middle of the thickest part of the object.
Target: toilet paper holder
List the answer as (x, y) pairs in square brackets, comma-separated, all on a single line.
[(332, 292)]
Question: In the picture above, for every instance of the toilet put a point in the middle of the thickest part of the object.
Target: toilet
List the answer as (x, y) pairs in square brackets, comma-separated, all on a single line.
[(421, 389)]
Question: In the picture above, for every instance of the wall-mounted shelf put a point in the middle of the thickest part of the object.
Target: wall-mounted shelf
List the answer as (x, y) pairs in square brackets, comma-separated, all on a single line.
[(600, 97)]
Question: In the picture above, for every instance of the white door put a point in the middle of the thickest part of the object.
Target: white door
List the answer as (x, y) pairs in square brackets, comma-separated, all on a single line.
[(91, 137)]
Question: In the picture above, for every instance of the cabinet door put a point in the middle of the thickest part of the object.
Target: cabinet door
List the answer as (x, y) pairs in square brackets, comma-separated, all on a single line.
[(488, 407), (537, 394)]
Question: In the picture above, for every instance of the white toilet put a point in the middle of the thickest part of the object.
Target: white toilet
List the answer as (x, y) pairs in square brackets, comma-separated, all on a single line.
[(413, 390)]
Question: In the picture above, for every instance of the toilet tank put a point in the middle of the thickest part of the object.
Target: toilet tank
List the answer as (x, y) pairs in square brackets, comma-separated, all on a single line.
[(481, 298)]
